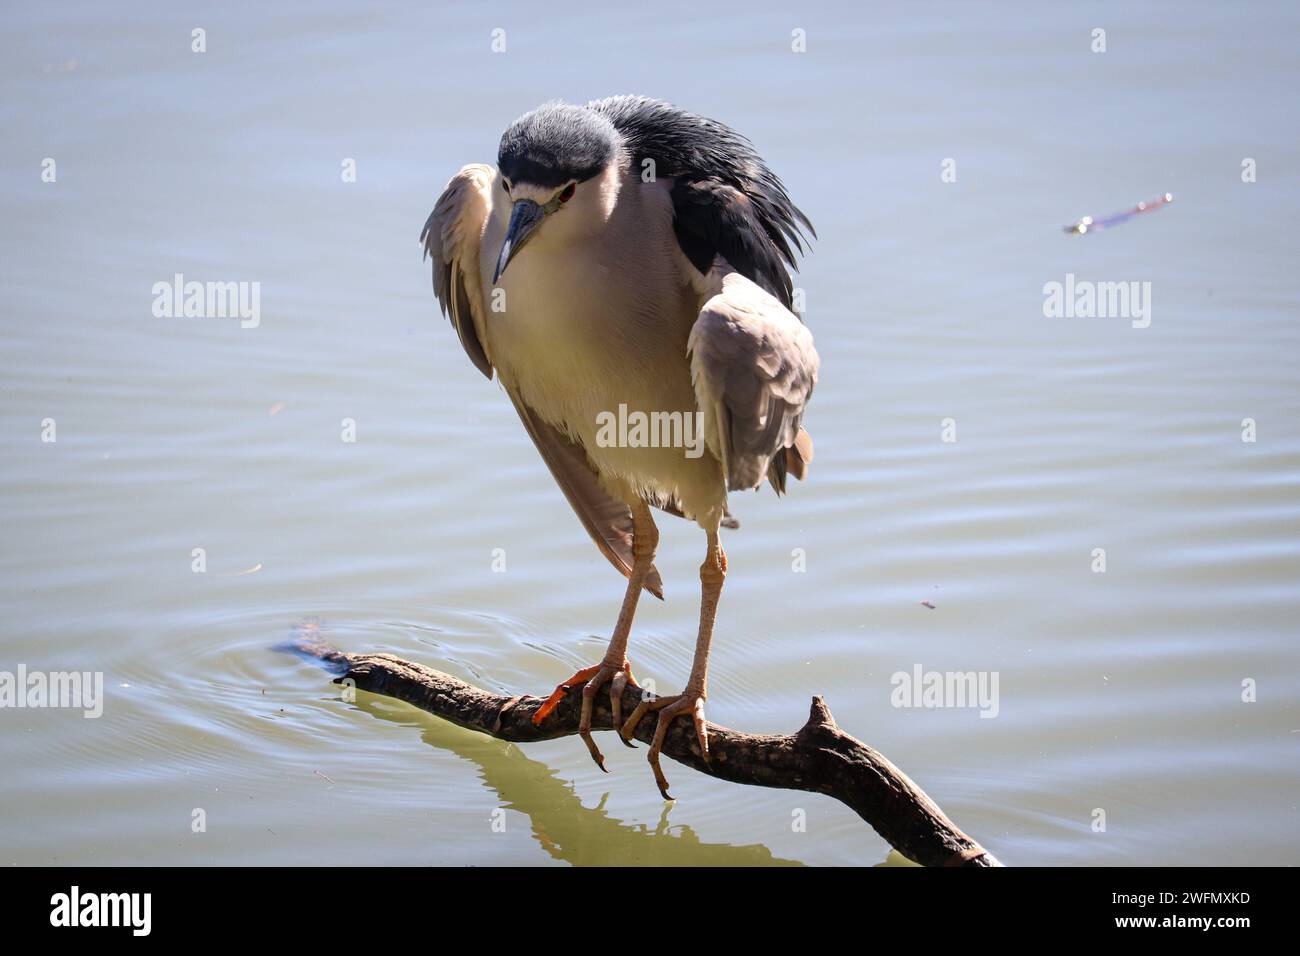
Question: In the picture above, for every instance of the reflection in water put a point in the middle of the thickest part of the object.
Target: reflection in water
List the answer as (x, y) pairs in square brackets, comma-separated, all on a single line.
[(562, 826)]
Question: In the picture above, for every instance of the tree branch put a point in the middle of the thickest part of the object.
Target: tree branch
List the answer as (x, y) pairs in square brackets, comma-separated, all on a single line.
[(818, 758)]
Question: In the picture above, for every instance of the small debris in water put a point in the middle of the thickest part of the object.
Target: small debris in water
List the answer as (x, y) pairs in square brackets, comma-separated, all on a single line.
[(1088, 224), (319, 774), (927, 604)]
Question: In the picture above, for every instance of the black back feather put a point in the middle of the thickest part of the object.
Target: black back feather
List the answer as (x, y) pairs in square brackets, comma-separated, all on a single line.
[(727, 201)]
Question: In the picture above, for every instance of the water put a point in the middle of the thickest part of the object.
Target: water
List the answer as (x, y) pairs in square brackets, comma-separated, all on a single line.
[(1120, 691)]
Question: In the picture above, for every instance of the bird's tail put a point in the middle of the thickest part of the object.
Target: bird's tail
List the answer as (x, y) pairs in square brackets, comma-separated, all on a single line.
[(794, 460), (799, 455)]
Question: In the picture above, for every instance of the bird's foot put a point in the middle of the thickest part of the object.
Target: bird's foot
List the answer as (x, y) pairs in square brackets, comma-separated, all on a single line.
[(617, 675), (669, 708)]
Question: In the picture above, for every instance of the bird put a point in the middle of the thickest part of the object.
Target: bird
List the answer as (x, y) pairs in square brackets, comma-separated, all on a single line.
[(630, 258)]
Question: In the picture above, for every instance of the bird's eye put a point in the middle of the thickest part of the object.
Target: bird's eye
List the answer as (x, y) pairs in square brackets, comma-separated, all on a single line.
[(505, 184), (567, 193)]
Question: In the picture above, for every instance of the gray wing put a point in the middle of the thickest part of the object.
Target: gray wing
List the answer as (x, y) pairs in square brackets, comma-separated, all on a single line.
[(451, 238), (754, 368), (607, 520)]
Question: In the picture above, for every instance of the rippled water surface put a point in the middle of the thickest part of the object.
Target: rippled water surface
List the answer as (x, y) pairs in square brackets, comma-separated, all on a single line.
[(1119, 691)]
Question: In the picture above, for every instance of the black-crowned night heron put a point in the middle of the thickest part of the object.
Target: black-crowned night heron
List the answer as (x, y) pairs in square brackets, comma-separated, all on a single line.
[(627, 257)]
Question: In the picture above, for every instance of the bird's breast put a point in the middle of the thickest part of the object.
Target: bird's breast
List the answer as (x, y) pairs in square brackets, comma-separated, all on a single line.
[(594, 330)]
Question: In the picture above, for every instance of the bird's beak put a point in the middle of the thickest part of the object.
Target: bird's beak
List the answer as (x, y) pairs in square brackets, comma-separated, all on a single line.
[(524, 218)]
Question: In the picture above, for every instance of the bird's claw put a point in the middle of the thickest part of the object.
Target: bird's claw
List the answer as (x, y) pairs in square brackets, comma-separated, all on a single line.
[(557, 695), (618, 676), (616, 687), (668, 708)]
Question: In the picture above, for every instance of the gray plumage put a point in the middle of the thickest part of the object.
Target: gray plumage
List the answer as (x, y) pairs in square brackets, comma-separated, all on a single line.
[(727, 204), (441, 238), (635, 256), (755, 376)]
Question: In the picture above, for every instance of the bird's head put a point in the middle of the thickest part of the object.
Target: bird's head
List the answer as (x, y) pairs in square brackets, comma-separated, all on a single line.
[(558, 164)]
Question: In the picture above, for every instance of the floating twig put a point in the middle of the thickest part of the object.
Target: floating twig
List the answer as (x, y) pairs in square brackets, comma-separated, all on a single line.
[(1088, 224)]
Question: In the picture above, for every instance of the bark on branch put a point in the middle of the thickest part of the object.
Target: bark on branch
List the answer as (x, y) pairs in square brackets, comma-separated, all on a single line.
[(818, 758)]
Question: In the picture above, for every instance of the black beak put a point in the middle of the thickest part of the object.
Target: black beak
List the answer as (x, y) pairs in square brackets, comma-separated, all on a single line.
[(524, 218)]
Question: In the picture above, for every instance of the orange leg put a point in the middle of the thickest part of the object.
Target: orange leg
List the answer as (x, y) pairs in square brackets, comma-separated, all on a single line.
[(615, 668), (691, 701)]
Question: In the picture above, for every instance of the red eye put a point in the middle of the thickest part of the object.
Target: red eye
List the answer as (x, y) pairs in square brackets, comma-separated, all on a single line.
[(567, 194)]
